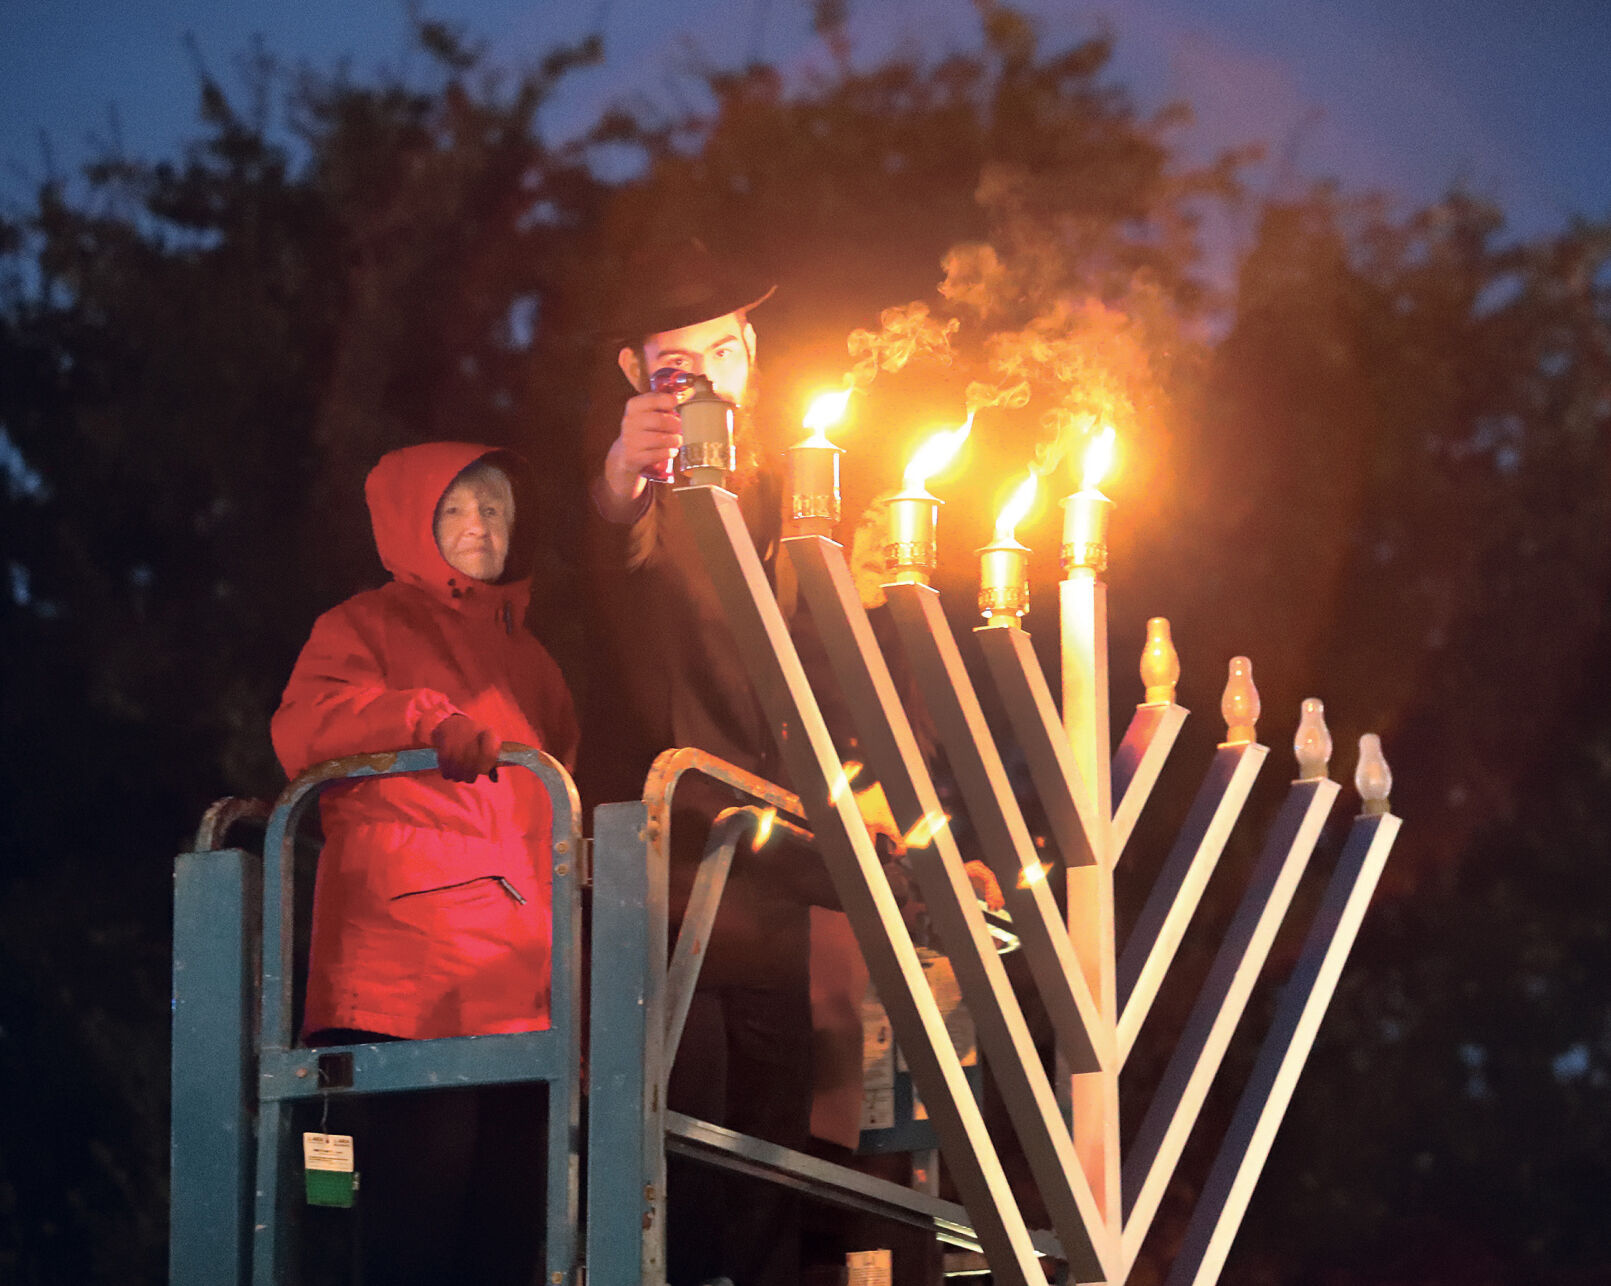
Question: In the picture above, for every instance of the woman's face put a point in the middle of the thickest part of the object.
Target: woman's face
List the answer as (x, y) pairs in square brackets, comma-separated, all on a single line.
[(473, 522)]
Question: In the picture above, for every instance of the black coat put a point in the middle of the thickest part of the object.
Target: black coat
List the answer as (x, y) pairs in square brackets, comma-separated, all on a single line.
[(664, 672), (664, 669)]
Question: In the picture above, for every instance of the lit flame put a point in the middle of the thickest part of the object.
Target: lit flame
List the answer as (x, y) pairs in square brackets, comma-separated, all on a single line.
[(935, 454), (922, 834), (1098, 458), (825, 411), (1016, 508), (848, 772), (763, 829), (1033, 874)]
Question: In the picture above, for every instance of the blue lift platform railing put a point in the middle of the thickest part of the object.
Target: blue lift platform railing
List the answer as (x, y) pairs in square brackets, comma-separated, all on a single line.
[(237, 1071), (637, 1007), (234, 1059)]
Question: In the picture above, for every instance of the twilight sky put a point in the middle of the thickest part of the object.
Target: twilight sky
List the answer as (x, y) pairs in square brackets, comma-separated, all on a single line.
[(1510, 97)]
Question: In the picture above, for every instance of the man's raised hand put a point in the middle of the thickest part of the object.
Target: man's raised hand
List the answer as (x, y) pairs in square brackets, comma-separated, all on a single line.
[(651, 432)]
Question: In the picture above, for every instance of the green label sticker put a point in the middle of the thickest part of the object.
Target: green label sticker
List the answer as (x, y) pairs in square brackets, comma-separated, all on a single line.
[(327, 1169)]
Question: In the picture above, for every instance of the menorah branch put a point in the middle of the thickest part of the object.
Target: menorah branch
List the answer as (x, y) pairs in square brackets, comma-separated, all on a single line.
[(814, 767), (1137, 763), (1224, 1198), (1004, 1038), (970, 750), (1065, 797), (1224, 995), (1179, 887)]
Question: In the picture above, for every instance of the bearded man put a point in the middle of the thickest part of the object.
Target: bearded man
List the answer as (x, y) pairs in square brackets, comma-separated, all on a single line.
[(666, 672)]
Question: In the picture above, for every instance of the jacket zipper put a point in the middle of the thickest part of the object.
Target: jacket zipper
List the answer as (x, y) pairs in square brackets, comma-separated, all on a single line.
[(508, 888)]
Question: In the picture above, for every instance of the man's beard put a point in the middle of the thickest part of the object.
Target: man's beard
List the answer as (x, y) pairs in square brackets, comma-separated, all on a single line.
[(747, 448)]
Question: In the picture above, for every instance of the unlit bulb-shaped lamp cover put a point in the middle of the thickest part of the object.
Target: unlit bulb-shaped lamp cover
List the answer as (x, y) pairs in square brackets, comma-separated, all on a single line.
[(1160, 664), (1372, 778), (1312, 745), (1240, 704)]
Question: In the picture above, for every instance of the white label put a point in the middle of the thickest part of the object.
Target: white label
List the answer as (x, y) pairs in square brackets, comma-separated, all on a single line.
[(877, 1065), (868, 1267), (877, 1046), (878, 1109), (327, 1152)]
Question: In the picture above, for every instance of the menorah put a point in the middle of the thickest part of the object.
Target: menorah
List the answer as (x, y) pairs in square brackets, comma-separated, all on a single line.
[(237, 1087), (1101, 1203)]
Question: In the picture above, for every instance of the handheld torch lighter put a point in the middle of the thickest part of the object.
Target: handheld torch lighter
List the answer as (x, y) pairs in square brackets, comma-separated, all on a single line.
[(706, 454), (706, 457)]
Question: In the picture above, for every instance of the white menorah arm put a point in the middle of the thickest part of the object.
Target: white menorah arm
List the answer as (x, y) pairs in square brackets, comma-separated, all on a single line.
[(1037, 725), (814, 768), (1137, 763), (1224, 995), (1224, 1198), (891, 750), (1085, 1041), (1151, 946)]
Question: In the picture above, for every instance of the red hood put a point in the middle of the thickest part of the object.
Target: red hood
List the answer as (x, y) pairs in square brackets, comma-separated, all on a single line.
[(403, 490)]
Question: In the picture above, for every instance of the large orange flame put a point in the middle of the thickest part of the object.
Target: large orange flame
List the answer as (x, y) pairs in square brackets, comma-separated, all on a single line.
[(825, 411), (933, 456), (1098, 458), (1017, 508)]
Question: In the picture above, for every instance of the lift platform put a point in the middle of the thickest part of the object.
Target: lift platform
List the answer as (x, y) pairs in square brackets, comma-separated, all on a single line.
[(239, 1076)]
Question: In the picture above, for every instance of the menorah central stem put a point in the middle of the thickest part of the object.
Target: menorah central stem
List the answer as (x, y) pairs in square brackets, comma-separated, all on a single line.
[(1093, 1096)]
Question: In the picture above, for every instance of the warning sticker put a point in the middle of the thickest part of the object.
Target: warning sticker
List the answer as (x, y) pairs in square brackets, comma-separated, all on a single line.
[(327, 1152)]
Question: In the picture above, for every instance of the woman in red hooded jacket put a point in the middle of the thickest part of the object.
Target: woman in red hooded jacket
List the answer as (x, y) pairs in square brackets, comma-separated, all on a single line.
[(432, 905), (432, 911)]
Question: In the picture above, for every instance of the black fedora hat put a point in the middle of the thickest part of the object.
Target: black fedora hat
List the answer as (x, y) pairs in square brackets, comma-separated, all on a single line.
[(674, 284)]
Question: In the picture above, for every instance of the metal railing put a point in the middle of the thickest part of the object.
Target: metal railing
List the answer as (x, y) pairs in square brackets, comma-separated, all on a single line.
[(234, 1056)]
